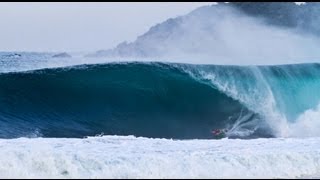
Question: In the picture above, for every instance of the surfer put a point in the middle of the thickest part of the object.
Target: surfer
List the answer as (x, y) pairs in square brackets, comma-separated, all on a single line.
[(219, 133)]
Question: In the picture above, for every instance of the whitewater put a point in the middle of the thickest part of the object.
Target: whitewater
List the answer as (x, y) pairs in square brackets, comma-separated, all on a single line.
[(137, 157)]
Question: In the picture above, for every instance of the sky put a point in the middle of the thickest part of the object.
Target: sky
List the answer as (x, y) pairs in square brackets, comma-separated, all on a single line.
[(81, 26)]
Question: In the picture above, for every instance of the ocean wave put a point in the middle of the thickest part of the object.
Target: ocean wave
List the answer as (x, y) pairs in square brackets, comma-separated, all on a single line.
[(158, 100)]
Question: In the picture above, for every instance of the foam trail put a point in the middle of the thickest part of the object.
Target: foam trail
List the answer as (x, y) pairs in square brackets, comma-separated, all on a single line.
[(130, 157)]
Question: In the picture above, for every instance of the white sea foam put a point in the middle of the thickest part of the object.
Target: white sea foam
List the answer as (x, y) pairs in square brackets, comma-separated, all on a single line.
[(131, 157), (307, 124)]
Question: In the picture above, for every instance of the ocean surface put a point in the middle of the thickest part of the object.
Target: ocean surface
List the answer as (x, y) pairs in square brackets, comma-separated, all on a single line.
[(80, 117)]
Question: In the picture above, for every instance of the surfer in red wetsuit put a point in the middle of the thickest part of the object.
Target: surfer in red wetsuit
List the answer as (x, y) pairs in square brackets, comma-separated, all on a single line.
[(216, 131), (219, 133)]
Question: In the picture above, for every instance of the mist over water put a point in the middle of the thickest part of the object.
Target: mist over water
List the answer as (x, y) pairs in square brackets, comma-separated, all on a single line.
[(221, 34), (234, 38)]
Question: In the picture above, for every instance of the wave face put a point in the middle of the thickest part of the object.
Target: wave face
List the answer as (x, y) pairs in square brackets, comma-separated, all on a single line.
[(161, 100)]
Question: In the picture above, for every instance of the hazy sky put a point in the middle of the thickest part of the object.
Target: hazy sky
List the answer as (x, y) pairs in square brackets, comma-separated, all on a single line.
[(81, 26)]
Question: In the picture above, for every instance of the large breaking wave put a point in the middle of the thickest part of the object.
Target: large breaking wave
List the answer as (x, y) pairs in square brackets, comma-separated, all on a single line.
[(161, 100)]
